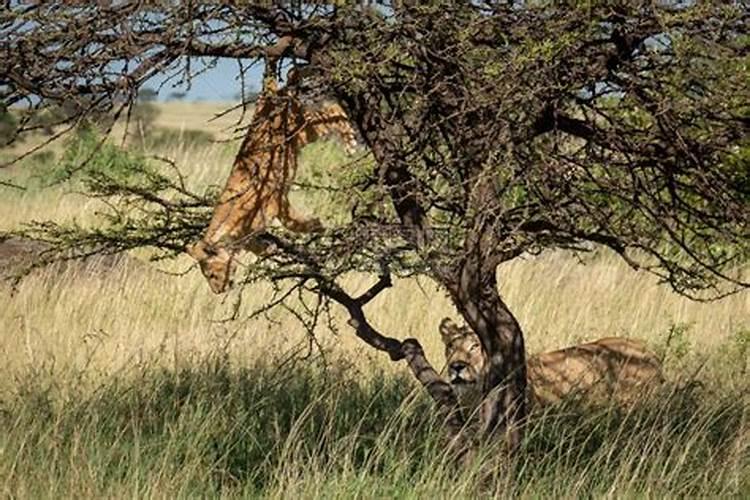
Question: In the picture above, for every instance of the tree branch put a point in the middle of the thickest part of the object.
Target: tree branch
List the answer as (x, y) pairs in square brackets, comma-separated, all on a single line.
[(410, 349), (383, 282), (357, 318), (551, 120)]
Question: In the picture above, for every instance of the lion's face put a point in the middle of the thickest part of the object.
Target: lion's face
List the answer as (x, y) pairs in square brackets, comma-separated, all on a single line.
[(216, 264), (464, 359)]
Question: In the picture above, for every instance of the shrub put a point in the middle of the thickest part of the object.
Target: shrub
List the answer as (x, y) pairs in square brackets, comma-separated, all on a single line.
[(88, 156)]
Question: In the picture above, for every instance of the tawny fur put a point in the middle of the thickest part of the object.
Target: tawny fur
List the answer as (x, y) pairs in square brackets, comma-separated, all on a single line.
[(257, 190), (615, 368)]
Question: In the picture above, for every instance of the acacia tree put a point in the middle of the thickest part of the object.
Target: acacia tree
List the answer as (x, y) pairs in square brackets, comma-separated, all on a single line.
[(495, 129)]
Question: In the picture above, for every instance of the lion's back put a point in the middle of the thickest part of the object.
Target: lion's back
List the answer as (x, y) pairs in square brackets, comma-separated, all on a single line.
[(613, 367)]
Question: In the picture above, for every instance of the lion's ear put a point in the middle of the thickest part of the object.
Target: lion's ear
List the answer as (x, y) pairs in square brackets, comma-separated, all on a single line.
[(448, 328), (192, 250), (198, 250)]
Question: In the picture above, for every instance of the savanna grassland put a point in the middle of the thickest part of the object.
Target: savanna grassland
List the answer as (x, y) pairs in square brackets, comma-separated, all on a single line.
[(128, 378)]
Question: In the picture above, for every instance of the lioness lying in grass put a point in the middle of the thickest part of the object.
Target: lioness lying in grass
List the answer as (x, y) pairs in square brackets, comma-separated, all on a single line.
[(615, 368)]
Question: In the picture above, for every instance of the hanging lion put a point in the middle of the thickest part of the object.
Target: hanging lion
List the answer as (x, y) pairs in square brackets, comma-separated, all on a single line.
[(257, 190)]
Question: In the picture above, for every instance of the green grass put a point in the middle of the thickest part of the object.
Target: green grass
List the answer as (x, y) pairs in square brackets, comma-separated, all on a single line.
[(206, 428)]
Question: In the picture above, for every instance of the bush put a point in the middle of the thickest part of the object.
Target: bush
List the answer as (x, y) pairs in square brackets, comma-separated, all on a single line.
[(98, 115), (88, 156)]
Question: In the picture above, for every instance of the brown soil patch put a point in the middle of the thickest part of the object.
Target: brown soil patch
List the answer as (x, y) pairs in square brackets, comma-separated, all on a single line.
[(19, 254)]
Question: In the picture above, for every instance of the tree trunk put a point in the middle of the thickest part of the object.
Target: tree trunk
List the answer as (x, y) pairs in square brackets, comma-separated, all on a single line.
[(473, 288), (504, 389)]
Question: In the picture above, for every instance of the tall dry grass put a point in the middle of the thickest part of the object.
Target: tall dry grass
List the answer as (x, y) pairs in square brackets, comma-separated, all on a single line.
[(132, 382), (207, 427)]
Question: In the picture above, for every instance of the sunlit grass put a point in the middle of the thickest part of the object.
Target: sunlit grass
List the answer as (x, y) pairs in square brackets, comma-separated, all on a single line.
[(133, 381)]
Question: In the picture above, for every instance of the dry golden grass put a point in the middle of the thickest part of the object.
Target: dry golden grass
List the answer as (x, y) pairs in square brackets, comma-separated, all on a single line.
[(111, 318), (211, 117), (88, 411), (120, 314), (201, 115)]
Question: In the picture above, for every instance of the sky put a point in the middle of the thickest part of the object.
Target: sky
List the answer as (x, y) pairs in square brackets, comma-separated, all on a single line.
[(216, 84)]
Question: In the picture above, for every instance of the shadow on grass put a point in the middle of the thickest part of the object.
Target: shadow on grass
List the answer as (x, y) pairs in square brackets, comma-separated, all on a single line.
[(209, 428)]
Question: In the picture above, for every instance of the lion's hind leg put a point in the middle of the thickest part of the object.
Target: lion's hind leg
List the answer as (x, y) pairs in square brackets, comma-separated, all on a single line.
[(295, 221)]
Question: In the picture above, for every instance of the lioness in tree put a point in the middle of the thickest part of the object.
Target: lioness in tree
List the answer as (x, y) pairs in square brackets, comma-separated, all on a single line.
[(257, 190)]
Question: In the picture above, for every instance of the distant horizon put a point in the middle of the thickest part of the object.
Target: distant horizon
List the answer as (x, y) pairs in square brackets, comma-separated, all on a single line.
[(219, 83)]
